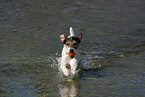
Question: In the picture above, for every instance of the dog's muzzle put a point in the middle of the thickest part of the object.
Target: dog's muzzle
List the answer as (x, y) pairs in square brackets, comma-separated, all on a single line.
[(71, 52)]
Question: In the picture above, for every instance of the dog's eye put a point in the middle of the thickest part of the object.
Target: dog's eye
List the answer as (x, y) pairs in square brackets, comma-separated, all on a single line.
[(67, 44)]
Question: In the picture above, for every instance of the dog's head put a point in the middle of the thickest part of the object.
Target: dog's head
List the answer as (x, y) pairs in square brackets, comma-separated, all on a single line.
[(71, 42)]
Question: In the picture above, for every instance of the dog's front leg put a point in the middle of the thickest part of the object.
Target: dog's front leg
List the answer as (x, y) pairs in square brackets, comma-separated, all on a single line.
[(73, 64), (64, 69)]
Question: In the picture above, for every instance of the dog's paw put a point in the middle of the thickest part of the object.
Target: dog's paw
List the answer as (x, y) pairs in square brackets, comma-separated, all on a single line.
[(77, 70), (66, 73), (74, 72)]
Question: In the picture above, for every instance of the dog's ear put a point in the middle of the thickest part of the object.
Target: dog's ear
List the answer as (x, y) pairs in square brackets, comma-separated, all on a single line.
[(80, 37), (62, 37)]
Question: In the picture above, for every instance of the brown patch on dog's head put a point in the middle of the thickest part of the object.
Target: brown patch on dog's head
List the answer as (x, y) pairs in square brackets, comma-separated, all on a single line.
[(71, 41), (74, 44)]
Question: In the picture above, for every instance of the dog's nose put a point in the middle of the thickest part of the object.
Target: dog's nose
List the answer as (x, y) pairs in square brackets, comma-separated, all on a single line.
[(71, 50)]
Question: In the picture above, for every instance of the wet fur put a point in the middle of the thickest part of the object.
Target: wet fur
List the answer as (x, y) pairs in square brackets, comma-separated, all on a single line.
[(70, 42)]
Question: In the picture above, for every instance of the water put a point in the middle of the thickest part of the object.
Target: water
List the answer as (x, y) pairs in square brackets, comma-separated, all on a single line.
[(113, 47)]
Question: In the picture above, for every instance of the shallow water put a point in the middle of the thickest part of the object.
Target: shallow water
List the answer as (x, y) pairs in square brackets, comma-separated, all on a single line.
[(112, 49)]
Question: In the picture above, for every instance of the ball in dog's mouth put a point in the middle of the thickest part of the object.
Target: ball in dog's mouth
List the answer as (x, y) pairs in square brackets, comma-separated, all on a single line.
[(72, 54)]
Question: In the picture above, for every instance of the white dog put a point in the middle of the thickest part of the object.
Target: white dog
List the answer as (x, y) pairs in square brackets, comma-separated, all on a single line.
[(71, 59)]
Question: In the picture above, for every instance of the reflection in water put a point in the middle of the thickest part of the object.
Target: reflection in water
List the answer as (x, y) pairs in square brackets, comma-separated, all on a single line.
[(68, 88)]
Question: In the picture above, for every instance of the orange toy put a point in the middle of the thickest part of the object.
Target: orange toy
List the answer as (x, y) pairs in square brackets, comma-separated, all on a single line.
[(71, 54)]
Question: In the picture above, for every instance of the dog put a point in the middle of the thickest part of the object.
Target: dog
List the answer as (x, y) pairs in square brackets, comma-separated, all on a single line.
[(71, 61)]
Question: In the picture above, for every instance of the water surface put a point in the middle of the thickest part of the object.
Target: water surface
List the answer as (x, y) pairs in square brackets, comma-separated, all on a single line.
[(113, 47)]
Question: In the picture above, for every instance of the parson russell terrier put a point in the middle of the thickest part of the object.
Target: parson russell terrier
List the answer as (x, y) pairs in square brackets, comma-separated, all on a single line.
[(71, 59)]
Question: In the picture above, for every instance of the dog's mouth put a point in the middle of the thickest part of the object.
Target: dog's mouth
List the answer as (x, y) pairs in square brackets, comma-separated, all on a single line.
[(71, 54)]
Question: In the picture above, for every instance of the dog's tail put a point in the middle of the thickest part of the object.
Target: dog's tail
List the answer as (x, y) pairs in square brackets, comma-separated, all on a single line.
[(71, 32)]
